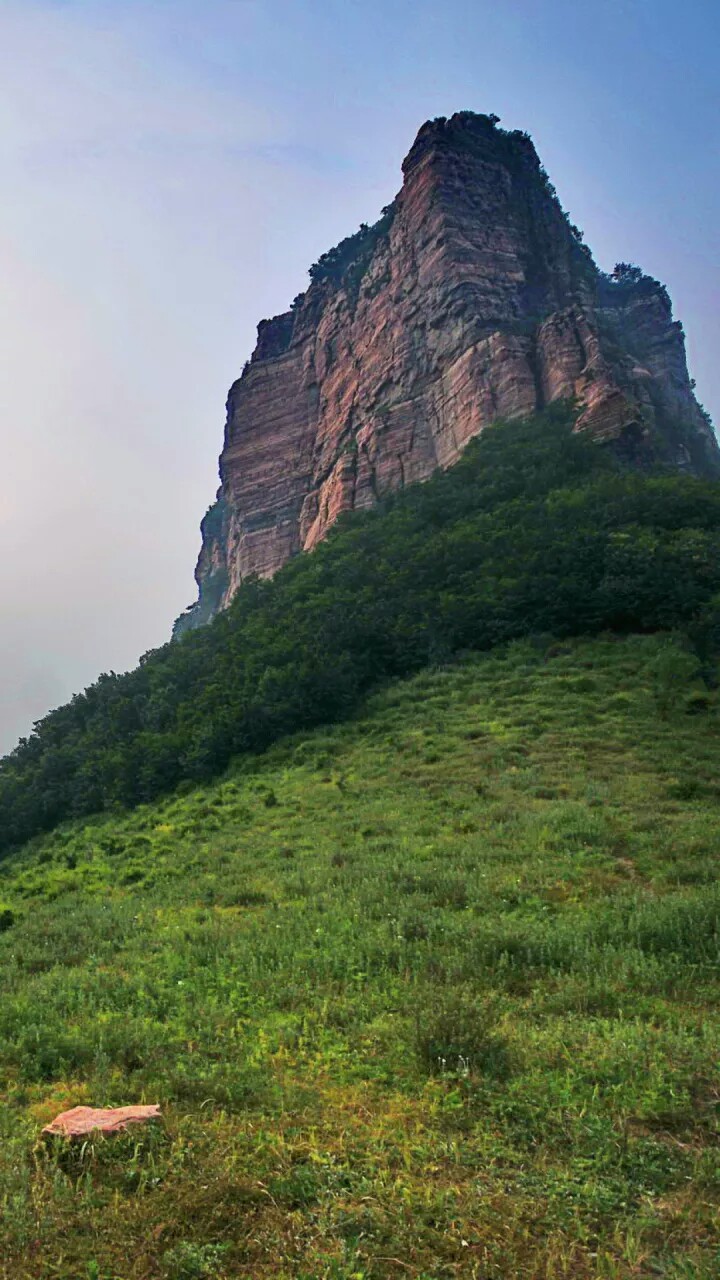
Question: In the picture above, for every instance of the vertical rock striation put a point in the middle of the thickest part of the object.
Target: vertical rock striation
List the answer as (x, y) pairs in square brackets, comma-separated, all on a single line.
[(472, 299)]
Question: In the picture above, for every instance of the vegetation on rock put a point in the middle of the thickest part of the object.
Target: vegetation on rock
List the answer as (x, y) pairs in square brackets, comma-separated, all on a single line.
[(348, 260)]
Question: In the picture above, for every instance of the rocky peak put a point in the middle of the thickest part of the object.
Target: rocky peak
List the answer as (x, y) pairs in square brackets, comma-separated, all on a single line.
[(471, 299)]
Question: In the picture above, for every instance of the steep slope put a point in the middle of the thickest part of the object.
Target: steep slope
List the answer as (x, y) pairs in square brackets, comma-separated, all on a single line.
[(433, 993), (535, 530), (472, 299)]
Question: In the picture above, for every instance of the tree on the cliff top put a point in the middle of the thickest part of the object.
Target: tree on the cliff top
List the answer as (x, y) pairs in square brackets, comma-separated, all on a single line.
[(627, 273)]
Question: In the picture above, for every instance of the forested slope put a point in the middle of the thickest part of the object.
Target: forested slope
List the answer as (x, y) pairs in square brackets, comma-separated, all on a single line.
[(535, 531)]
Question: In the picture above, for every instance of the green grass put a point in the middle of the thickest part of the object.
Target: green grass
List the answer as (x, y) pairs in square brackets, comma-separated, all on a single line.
[(430, 994)]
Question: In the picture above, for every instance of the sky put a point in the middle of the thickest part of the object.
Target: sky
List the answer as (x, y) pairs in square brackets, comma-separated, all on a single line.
[(170, 168)]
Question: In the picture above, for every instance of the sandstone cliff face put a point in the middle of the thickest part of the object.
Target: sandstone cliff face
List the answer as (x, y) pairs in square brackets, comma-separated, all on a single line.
[(473, 299)]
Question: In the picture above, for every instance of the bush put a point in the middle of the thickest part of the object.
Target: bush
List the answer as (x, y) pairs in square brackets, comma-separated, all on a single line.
[(190, 1261), (697, 702), (455, 1034), (671, 671)]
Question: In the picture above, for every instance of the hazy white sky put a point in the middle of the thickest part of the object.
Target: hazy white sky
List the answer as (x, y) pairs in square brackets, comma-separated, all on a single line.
[(170, 169)]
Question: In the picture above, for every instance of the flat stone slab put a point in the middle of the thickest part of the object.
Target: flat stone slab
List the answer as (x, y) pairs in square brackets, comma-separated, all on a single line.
[(81, 1121)]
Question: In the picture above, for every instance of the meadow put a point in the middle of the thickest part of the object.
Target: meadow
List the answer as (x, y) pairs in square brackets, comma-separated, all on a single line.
[(430, 993)]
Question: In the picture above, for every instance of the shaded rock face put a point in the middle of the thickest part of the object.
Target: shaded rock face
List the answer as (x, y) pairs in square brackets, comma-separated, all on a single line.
[(472, 300)]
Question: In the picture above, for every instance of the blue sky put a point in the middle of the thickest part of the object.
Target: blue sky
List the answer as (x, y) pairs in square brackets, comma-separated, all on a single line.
[(170, 169)]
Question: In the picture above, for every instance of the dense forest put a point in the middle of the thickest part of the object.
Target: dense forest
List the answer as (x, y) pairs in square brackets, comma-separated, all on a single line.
[(537, 531)]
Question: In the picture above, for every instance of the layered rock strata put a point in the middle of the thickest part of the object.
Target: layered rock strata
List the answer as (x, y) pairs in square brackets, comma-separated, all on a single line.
[(472, 299)]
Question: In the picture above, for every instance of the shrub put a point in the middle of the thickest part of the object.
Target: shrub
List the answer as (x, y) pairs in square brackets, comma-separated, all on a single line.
[(671, 670), (190, 1261), (455, 1034)]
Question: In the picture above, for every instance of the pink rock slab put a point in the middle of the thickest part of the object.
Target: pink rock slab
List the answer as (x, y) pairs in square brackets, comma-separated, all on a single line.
[(81, 1121)]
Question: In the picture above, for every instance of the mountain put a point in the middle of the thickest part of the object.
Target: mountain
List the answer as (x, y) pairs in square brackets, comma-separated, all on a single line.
[(394, 887), (472, 299)]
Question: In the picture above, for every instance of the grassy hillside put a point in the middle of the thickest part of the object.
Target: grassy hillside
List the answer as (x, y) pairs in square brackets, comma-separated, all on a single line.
[(429, 994)]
